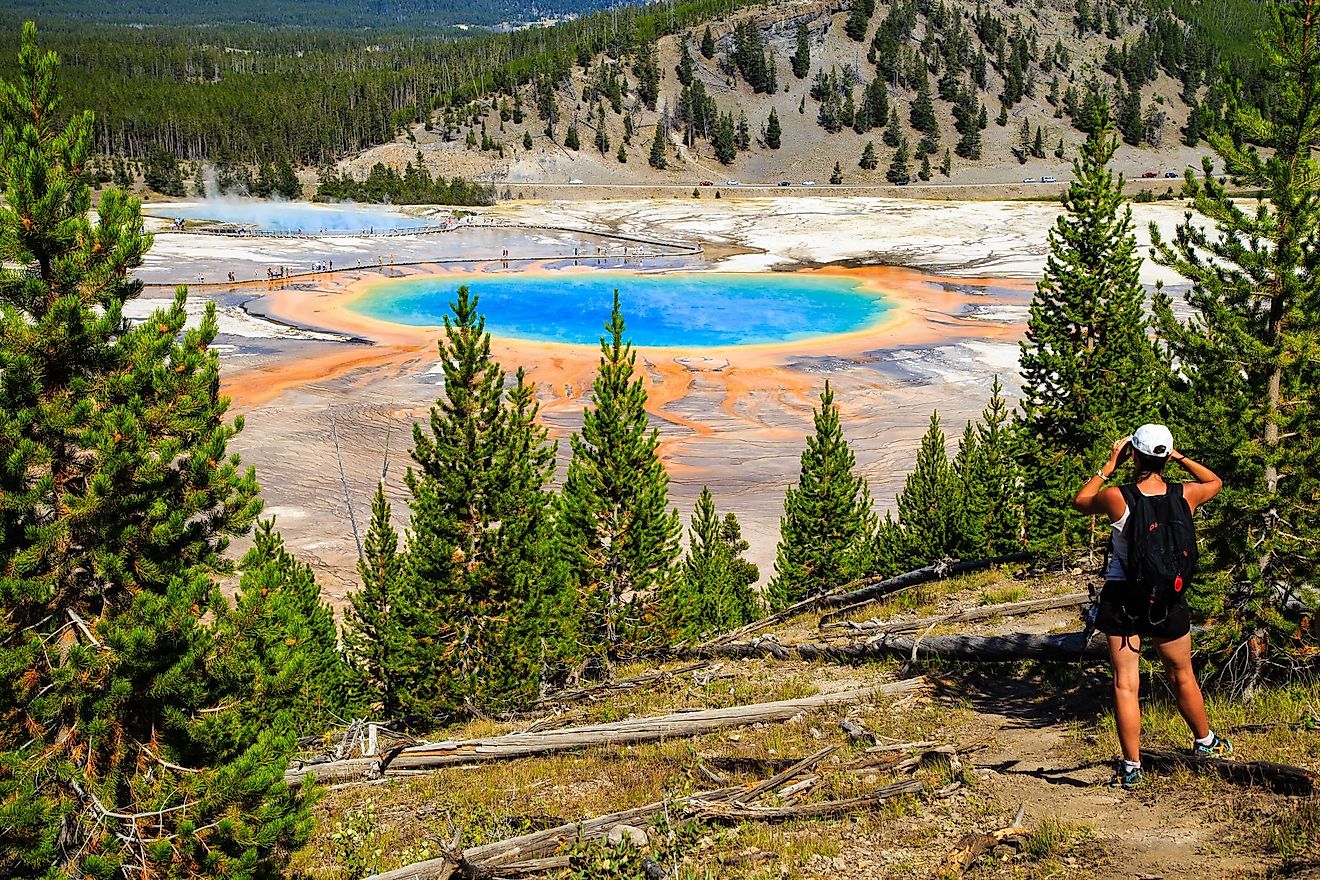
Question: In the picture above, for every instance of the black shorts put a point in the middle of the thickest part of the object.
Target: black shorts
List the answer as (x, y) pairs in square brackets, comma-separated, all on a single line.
[(1123, 611)]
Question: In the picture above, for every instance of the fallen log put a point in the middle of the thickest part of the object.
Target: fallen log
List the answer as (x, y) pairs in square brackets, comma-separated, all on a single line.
[(605, 688), (1279, 778), (538, 847), (527, 852), (865, 589), (1008, 609), (738, 811), (849, 602), (433, 755), (973, 649)]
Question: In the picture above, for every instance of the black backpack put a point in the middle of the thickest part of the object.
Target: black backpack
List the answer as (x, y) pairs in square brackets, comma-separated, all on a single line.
[(1161, 541)]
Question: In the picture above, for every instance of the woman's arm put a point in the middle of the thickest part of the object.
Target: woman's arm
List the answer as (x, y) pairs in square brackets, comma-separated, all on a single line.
[(1207, 483), (1093, 498)]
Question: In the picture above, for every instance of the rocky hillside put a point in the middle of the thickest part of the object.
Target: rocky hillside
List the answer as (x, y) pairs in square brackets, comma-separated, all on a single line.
[(989, 94)]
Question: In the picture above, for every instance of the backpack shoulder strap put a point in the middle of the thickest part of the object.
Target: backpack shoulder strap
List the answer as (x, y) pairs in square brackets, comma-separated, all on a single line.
[(1129, 497)]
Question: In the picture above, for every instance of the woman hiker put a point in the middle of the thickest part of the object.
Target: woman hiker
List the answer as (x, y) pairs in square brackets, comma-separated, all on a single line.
[(1127, 611)]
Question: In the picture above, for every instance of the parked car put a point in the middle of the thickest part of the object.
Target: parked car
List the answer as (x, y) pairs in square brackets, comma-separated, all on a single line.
[(1028, 180), (1049, 178), (808, 183), (1150, 174), (1172, 175), (732, 182), (785, 183), (708, 183), (575, 180), (902, 181)]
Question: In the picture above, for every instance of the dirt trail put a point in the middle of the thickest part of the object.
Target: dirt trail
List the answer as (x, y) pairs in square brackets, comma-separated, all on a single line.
[(1034, 761)]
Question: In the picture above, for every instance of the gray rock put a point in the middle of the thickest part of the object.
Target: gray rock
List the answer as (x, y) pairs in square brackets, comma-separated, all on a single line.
[(631, 833)]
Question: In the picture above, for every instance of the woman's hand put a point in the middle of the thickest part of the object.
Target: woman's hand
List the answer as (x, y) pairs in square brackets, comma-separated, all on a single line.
[(1122, 447)]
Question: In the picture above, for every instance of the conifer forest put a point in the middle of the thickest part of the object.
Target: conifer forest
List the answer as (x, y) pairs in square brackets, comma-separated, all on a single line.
[(547, 665)]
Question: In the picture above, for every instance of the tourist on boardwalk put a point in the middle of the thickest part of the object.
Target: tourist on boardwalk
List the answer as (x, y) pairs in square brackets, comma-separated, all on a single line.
[(1145, 591)]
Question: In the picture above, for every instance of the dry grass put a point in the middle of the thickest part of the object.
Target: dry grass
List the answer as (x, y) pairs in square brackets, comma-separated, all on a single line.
[(385, 826), (366, 829)]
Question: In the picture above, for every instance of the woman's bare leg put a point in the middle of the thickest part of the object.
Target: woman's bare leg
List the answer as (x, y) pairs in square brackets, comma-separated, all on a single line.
[(1125, 658), (1177, 657)]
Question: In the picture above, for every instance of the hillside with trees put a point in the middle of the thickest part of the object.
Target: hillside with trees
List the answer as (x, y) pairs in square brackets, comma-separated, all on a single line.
[(910, 90)]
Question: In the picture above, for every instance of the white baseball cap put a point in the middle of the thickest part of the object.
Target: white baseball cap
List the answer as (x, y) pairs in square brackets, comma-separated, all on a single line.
[(1153, 440)]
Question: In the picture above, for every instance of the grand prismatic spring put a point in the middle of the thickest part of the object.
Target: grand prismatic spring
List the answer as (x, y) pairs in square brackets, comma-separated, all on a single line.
[(672, 310)]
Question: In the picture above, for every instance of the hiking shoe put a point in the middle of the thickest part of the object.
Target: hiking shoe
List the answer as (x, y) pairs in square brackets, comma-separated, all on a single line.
[(1128, 779), (1220, 748)]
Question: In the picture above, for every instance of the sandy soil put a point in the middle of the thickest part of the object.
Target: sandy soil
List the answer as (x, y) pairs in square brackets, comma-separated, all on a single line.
[(294, 358)]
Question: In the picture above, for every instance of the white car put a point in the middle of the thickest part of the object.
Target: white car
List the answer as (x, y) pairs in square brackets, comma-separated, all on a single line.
[(732, 183), (576, 180), (1028, 180), (808, 183), (1049, 179)]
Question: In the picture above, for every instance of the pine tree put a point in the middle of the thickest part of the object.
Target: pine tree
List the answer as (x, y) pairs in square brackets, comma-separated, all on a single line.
[(657, 157), (946, 166), (618, 534), (858, 20), (371, 627), (922, 114), (930, 505), (1246, 377), (898, 166), (602, 135), (836, 177), (992, 495), (828, 524), (869, 161), (773, 132), (707, 44), (622, 154), (743, 136), (286, 183), (712, 593), (118, 503), (460, 597), (1089, 372), (1002, 119), (969, 145), (893, 131), (282, 636), (542, 627), (527, 140), (686, 68), (924, 172), (726, 149), (571, 140), (1130, 121), (801, 59)]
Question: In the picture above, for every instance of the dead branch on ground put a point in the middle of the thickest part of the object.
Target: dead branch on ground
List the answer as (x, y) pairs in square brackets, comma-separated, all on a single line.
[(973, 845), (969, 648), (865, 590), (1009, 609), (433, 755), (1279, 778)]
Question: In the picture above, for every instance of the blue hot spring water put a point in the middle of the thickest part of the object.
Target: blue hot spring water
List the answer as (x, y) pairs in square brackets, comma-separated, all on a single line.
[(687, 310), (290, 216)]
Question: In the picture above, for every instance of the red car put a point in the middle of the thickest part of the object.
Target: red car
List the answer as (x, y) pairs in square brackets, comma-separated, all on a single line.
[(708, 183), (1149, 174)]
